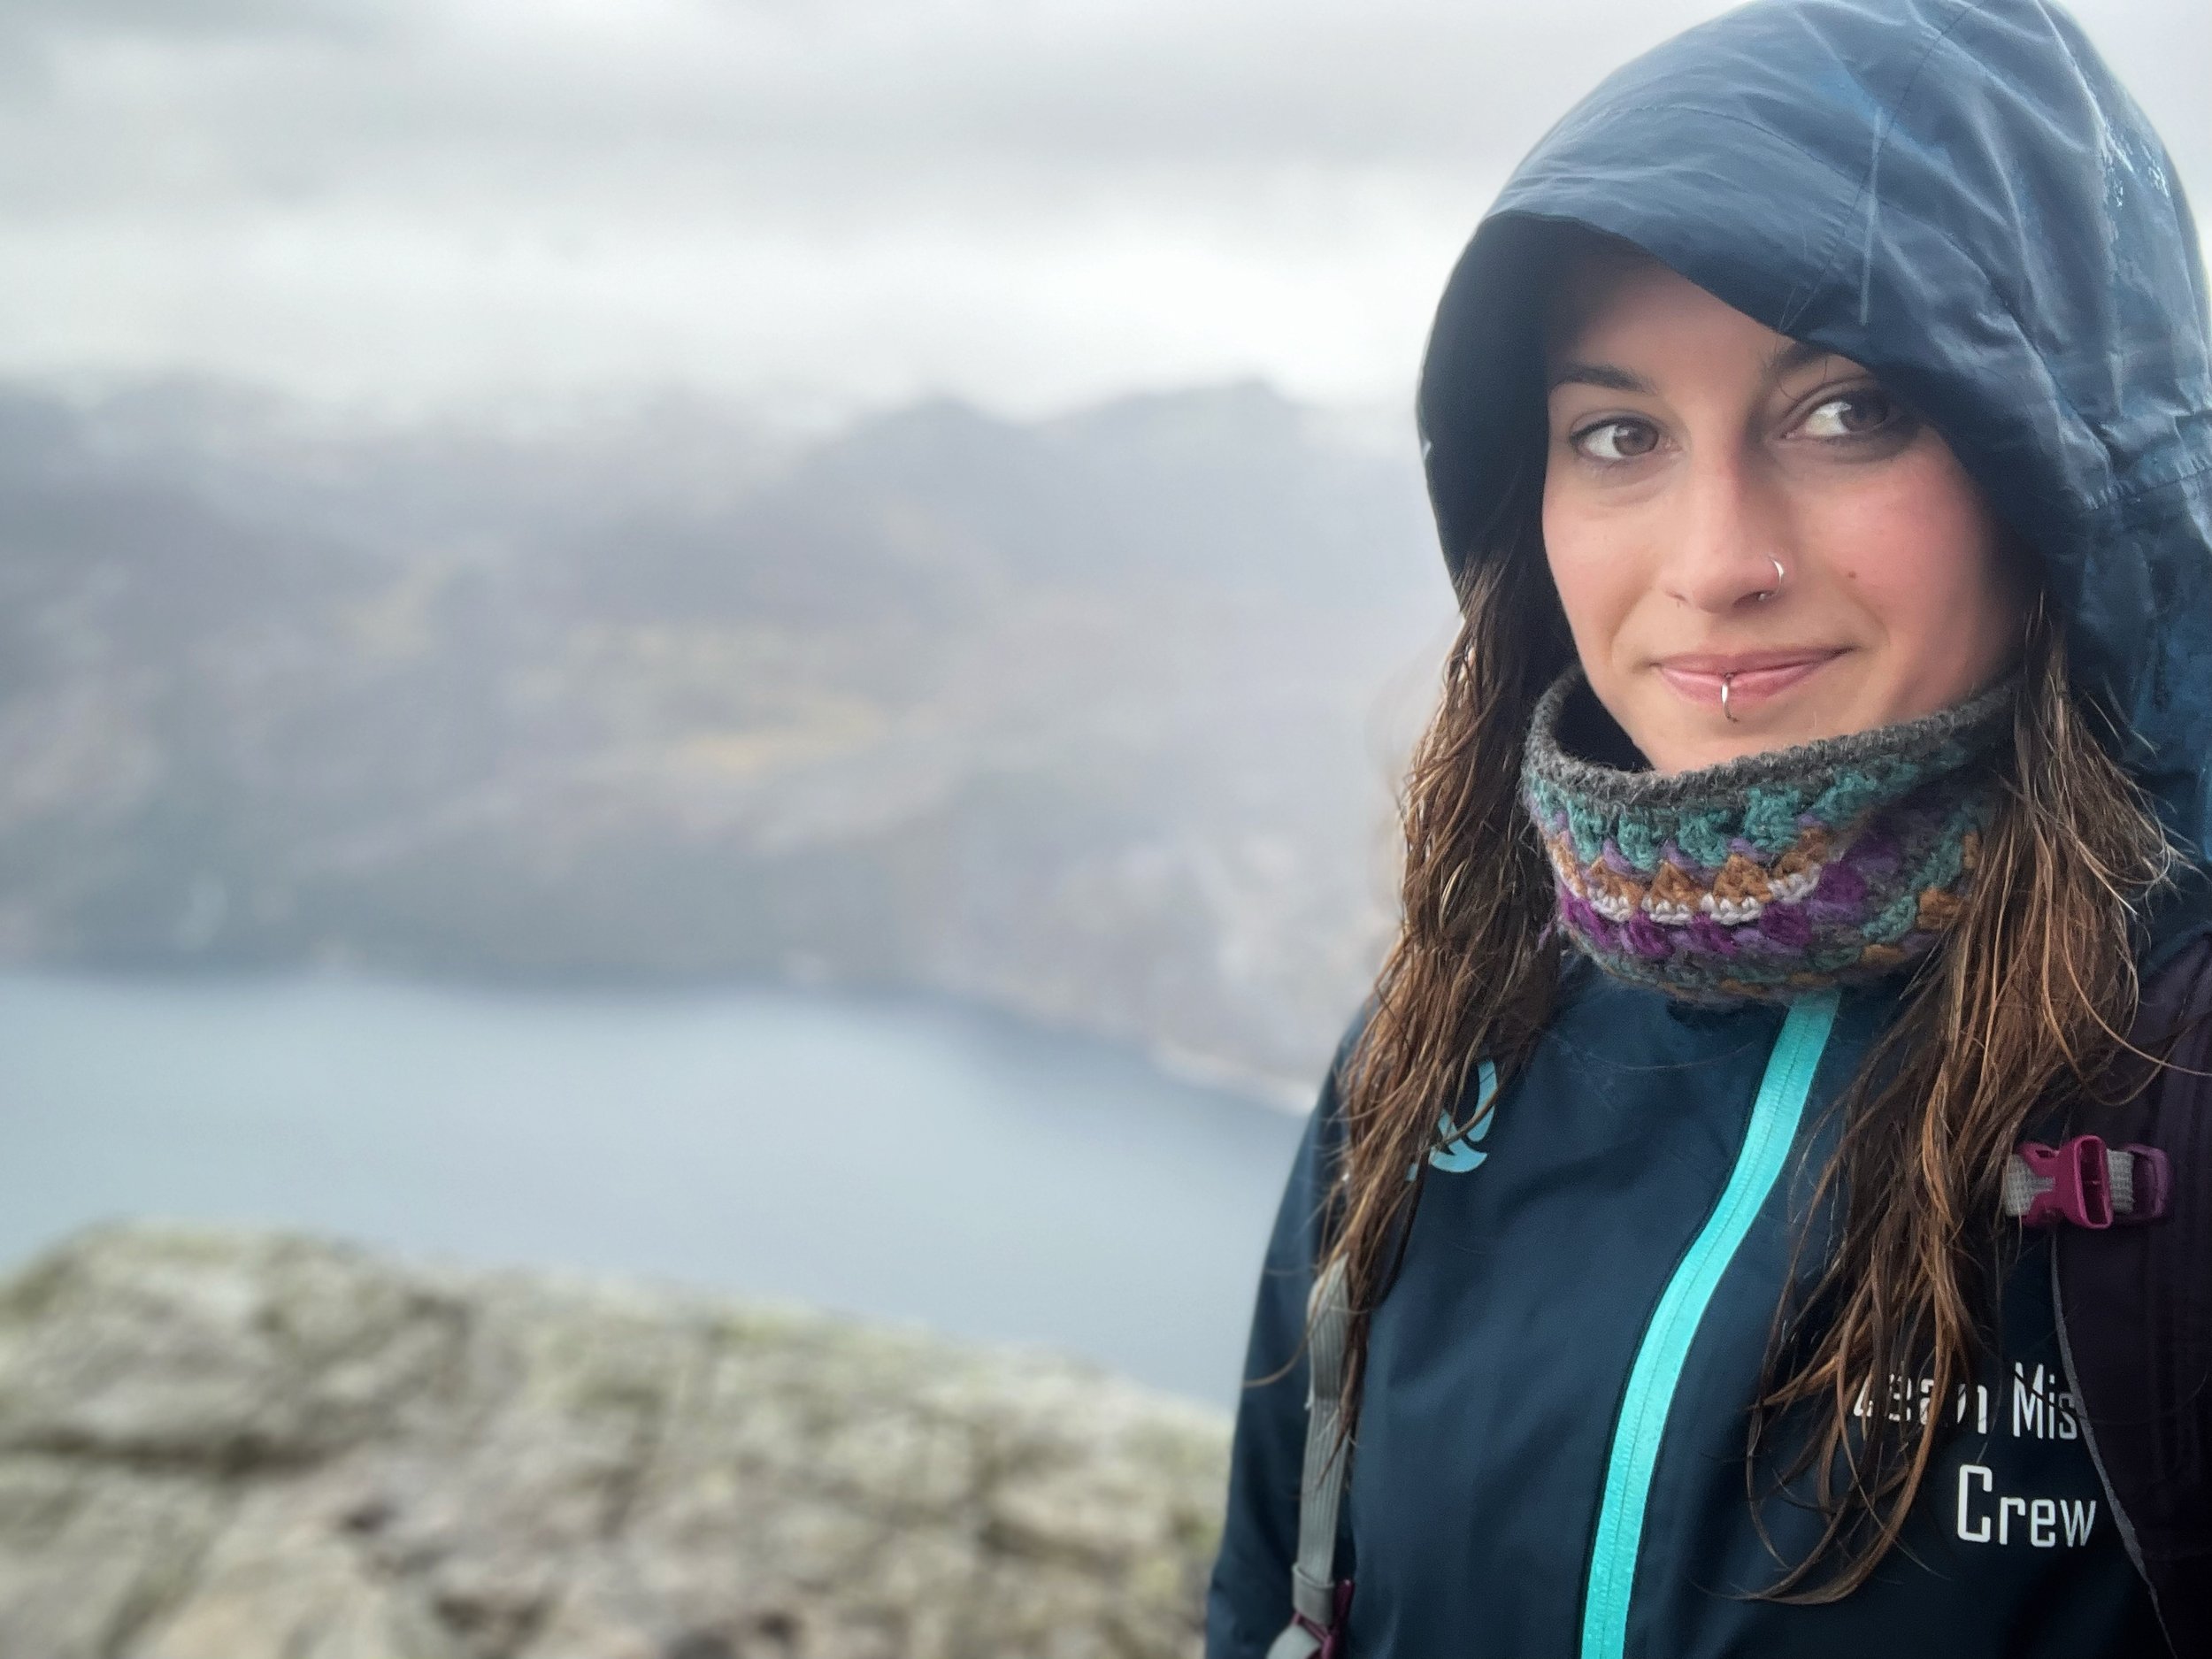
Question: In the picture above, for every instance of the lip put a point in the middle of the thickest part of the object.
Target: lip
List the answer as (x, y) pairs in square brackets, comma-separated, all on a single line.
[(1753, 677)]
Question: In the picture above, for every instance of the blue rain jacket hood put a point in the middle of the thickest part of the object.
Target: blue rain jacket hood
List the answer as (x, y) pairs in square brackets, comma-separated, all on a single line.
[(1961, 198)]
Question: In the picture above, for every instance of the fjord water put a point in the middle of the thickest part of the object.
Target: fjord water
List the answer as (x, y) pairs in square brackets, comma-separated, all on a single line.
[(893, 1159)]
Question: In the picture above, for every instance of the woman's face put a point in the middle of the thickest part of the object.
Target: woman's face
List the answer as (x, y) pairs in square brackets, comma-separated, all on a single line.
[(1691, 451)]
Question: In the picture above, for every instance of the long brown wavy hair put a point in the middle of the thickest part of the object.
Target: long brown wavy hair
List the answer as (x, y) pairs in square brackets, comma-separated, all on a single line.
[(2021, 1008)]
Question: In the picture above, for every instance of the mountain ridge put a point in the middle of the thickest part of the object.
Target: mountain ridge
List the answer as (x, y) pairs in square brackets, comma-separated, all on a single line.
[(1089, 718)]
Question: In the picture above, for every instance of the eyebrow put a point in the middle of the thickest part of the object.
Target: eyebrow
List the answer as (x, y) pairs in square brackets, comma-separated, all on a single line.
[(1601, 374), (1786, 360)]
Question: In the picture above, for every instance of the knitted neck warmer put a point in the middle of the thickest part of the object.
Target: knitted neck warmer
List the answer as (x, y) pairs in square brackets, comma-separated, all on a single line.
[(1772, 875)]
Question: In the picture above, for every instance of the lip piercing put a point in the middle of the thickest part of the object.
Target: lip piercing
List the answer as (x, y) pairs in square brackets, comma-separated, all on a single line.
[(1726, 681), (1765, 593)]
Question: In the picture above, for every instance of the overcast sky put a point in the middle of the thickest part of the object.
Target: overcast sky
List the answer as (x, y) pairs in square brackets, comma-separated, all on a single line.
[(809, 205)]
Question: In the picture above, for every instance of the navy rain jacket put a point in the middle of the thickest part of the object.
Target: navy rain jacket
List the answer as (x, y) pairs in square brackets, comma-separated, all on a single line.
[(1550, 1457)]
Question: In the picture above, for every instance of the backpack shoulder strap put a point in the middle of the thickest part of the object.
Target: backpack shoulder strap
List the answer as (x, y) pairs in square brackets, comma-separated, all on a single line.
[(1317, 1600), (2135, 1309)]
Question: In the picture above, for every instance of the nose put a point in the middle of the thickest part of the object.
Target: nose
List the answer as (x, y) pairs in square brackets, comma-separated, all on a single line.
[(1730, 535)]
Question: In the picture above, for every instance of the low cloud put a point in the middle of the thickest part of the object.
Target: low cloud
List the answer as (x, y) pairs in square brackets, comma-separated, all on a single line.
[(848, 201)]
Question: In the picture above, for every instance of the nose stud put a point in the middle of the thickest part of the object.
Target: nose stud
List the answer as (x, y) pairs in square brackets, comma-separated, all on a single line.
[(1726, 681), (1765, 593)]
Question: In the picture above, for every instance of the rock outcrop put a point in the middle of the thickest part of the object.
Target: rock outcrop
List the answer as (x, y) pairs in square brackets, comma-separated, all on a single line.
[(240, 1446)]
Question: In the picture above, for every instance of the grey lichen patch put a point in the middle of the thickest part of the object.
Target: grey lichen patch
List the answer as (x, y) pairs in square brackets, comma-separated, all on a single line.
[(229, 1353), (236, 1445)]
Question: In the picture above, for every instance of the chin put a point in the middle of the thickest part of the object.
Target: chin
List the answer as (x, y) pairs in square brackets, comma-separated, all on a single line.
[(1698, 741), (1695, 752)]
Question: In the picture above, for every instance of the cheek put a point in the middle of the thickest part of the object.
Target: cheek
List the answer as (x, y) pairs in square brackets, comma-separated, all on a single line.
[(1595, 573), (1919, 554)]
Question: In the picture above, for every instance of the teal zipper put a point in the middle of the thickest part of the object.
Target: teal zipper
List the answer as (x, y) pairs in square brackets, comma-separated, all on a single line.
[(1653, 1378)]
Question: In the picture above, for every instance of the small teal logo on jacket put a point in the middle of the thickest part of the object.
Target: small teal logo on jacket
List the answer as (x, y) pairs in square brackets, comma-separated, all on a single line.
[(1458, 1154)]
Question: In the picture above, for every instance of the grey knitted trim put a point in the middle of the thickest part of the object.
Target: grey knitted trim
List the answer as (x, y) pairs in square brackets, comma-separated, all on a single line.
[(1972, 727), (1776, 874)]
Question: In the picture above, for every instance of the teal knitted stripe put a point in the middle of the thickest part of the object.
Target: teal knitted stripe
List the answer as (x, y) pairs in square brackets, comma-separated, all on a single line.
[(1660, 1357)]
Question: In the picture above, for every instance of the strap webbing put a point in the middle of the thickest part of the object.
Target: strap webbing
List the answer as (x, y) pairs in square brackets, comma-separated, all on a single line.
[(1321, 1489), (2023, 1185)]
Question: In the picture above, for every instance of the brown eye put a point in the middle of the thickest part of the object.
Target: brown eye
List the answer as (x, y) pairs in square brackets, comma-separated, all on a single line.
[(1852, 415), (1616, 440)]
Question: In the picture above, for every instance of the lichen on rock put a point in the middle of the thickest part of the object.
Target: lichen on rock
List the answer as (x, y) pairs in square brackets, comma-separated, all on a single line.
[(244, 1446)]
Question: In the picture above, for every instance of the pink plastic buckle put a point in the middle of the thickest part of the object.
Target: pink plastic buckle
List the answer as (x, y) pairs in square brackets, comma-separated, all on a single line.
[(2081, 1189), (1332, 1639), (2154, 1185)]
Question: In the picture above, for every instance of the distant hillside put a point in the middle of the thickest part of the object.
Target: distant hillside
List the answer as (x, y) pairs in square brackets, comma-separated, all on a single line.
[(1092, 717)]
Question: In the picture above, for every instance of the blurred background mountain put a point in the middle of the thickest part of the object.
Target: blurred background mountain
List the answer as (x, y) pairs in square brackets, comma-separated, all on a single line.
[(890, 493), (1079, 716)]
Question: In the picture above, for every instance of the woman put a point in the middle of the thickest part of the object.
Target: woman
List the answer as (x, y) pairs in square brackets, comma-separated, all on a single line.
[(1820, 432)]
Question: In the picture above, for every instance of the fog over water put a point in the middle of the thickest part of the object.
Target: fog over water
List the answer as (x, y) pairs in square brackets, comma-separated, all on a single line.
[(893, 1158)]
